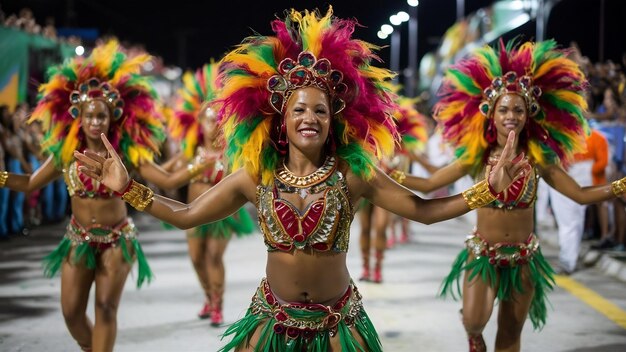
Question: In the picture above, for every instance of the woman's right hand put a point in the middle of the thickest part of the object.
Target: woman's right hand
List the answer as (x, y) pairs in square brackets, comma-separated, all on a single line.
[(109, 171)]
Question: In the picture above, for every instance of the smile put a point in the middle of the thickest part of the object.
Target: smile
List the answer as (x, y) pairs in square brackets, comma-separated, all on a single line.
[(308, 132)]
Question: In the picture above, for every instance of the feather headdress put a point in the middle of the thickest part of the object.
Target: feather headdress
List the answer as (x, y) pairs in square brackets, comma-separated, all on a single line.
[(198, 90), (551, 84), (308, 49), (136, 127)]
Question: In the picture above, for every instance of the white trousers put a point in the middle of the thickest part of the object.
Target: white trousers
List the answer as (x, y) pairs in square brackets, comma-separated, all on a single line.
[(570, 216)]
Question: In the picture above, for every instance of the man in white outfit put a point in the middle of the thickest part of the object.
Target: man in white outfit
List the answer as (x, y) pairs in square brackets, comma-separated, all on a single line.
[(570, 217), (587, 170)]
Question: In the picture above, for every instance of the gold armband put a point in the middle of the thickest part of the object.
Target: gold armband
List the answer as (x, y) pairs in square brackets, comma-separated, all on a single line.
[(4, 175), (138, 195), (398, 176), (194, 169), (478, 195), (618, 187)]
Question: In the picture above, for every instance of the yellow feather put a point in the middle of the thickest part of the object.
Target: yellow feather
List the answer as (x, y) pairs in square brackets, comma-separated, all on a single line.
[(71, 142), (251, 150), (252, 62), (130, 66), (311, 29)]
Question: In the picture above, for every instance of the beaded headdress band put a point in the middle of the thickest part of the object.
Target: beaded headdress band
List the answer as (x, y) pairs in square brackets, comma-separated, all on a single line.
[(510, 83), (307, 71), (93, 89)]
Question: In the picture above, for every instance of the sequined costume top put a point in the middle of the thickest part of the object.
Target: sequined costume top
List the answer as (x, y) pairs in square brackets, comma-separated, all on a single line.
[(323, 225), (521, 194), (83, 186), (211, 175)]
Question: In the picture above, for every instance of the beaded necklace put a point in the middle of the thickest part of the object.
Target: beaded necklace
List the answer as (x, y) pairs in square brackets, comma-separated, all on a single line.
[(313, 183)]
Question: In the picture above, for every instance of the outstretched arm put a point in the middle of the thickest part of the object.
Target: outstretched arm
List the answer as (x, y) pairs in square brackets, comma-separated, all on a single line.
[(423, 161), (165, 179), (217, 203), (558, 179), (174, 161), (26, 183), (384, 192), (440, 178)]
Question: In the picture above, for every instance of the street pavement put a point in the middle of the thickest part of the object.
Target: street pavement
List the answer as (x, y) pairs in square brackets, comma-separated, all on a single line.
[(587, 313)]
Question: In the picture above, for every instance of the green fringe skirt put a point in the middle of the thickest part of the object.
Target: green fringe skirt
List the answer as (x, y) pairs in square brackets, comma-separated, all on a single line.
[(240, 223), (296, 327), (501, 266), (89, 241)]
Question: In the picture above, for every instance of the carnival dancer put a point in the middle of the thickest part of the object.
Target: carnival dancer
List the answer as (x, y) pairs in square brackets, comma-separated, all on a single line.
[(194, 126), (535, 91), (103, 94), (305, 116), (413, 128)]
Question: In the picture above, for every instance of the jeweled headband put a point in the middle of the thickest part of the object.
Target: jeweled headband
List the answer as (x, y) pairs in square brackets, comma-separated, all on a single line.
[(306, 71), (93, 89)]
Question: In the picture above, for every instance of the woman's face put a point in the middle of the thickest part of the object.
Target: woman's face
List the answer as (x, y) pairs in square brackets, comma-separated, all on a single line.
[(510, 115), (96, 119), (208, 122), (307, 119)]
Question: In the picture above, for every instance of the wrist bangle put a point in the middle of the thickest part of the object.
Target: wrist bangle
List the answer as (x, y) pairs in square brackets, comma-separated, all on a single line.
[(126, 189), (618, 187), (398, 176), (194, 169), (4, 176), (478, 195), (138, 195)]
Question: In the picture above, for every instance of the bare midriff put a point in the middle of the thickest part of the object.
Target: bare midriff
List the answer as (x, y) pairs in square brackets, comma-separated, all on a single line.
[(499, 225), (308, 276), (101, 211)]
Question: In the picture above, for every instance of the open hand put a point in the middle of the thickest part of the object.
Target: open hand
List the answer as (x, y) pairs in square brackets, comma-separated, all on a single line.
[(509, 168), (109, 171)]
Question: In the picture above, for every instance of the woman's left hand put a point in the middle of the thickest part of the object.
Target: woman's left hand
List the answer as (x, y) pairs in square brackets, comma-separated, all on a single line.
[(509, 168)]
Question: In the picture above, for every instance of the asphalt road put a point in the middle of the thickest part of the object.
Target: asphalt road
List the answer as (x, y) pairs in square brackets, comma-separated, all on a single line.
[(588, 309)]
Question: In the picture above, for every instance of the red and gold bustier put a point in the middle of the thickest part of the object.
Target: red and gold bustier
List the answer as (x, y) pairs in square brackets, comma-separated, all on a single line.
[(520, 195), (82, 185), (323, 225)]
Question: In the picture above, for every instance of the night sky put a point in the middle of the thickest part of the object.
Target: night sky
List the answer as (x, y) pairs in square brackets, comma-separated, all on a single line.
[(189, 33)]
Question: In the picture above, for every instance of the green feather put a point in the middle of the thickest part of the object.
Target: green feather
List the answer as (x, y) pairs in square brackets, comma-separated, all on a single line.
[(118, 59), (359, 160), (465, 81)]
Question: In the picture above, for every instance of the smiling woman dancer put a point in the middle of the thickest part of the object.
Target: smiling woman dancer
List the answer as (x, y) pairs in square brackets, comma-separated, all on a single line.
[(85, 98), (304, 115), (535, 91)]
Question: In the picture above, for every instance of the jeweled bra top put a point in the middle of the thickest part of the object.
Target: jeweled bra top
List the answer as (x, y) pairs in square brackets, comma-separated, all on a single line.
[(82, 185), (211, 175), (323, 225), (521, 194)]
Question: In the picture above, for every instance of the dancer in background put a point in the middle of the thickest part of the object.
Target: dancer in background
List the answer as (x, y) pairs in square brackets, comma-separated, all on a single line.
[(102, 94), (535, 91), (194, 126)]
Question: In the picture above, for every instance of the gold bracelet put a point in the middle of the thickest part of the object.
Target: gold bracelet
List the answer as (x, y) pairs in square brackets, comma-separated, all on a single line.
[(138, 195), (194, 169), (4, 176), (478, 195), (618, 187), (398, 176)]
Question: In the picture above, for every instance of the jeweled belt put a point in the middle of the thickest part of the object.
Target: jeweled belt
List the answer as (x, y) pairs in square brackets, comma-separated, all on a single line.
[(321, 318), (503, 254), (100, 234)]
